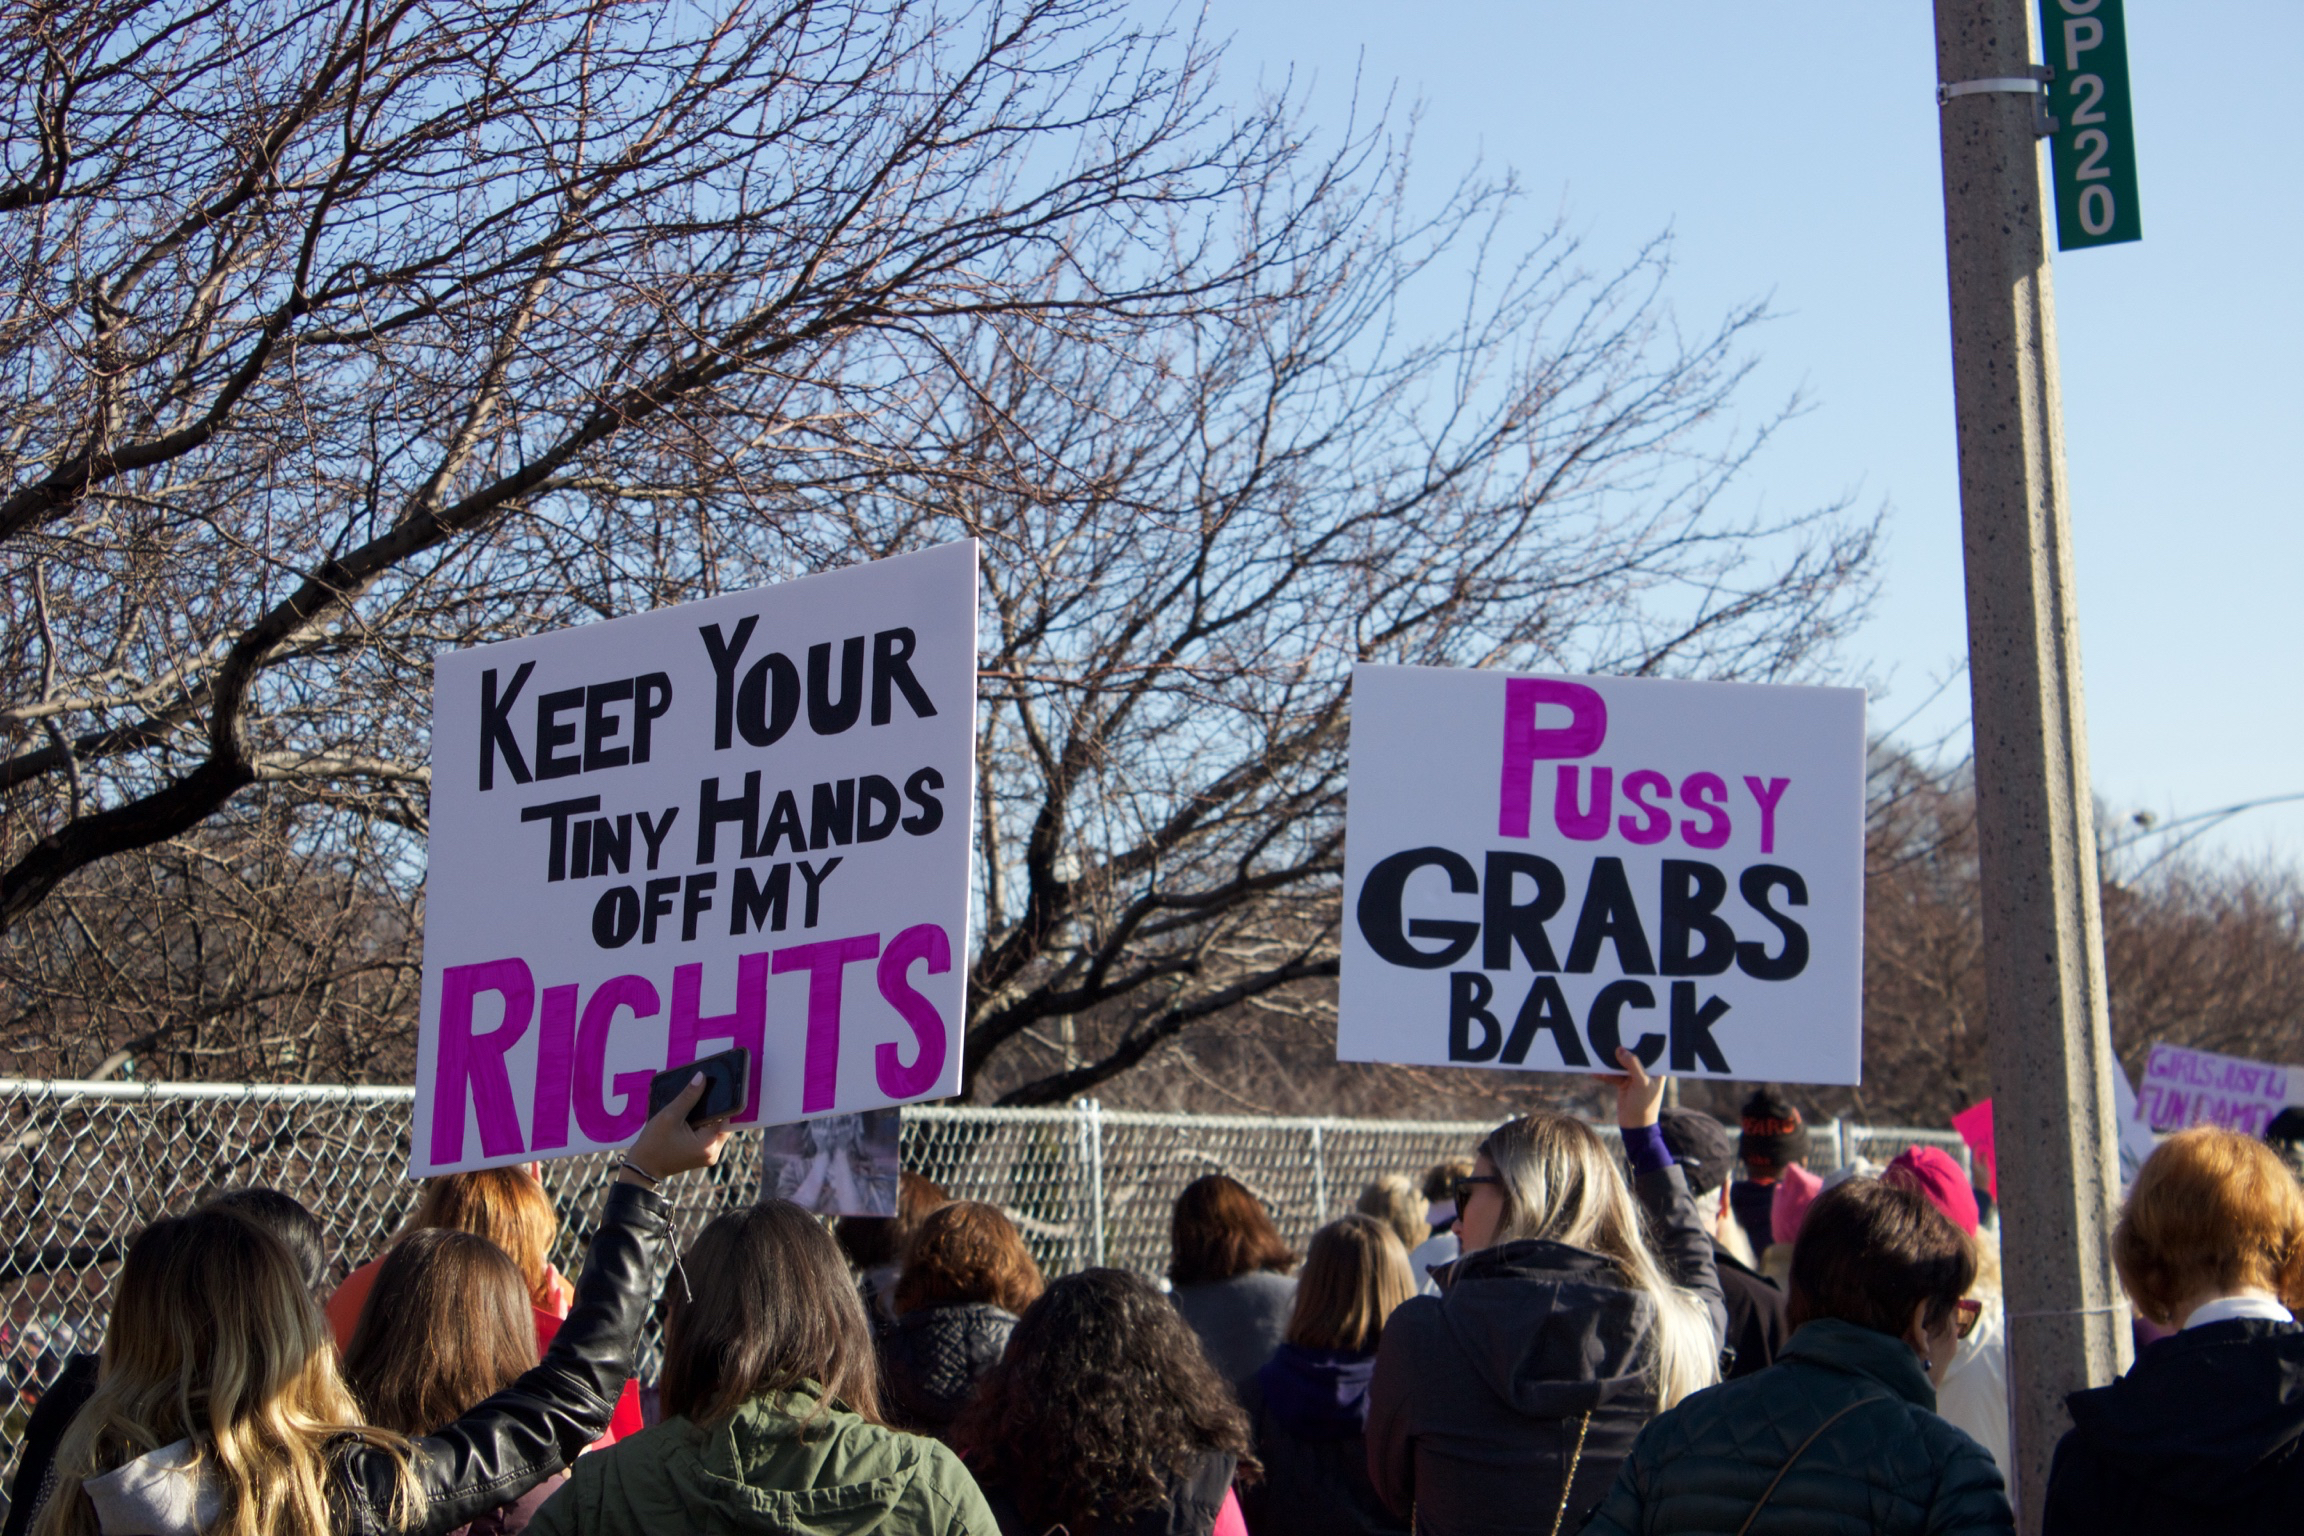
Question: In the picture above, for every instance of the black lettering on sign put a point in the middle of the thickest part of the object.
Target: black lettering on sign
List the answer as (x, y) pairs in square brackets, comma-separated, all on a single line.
[(551, 735), (829, 714), (1545, 1008), (891, 668), (917, 789), (1692, 1042), (1378, 910), (763, 906), (1469, 993), (1693, 892), (1603, 1025), (1505, 922), (725, 654), (1757, 885), (496, 727), (1610, 917)]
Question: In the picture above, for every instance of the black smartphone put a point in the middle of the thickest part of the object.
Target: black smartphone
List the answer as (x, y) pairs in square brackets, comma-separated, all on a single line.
[(725, 1078)]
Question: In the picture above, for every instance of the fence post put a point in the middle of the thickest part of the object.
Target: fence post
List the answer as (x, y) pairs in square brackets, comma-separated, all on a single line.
[(1092, 1155), (1319, 1177), (1839, 1142)]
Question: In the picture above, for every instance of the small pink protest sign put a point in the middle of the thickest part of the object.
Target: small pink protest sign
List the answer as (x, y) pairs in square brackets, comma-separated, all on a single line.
[(2185, 1087), (741, 821)]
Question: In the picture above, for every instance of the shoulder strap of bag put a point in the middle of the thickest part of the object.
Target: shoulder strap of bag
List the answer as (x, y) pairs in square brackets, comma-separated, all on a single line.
[(1813, 1436), (1583, 1425)]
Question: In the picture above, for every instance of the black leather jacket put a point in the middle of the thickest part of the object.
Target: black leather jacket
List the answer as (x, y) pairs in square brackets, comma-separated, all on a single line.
[(537, 1425)]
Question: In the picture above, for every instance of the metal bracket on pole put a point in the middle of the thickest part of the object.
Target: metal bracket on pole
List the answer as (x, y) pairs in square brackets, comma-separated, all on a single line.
[(2033, 84)]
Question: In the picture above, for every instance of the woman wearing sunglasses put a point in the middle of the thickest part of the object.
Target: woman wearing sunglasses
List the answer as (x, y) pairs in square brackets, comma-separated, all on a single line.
[(1506, 1402), (1841, 1433)]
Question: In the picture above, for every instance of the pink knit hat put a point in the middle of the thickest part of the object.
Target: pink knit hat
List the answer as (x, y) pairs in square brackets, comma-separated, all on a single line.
[(1795, 1192), (1931, 1172)]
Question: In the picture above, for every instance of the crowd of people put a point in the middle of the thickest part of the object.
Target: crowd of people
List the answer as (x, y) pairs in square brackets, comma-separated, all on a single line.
[(1560, 1332)]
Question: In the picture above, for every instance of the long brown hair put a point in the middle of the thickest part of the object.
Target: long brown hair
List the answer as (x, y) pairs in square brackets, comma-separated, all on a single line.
[(967, 1251), (767, 1305), (1355, 1273), (504, 1205), (1103, 1397), (447, 1325), (1220, 1230), (214, 1338)]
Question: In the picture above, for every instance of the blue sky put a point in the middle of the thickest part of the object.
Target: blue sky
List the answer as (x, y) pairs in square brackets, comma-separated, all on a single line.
[(1792, 150)]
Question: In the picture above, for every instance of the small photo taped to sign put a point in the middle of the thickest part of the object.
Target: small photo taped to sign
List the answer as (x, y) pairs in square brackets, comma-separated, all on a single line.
[(838, 1165)]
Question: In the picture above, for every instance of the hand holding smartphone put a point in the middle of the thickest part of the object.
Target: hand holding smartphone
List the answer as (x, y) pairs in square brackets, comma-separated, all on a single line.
[(725, 1078)]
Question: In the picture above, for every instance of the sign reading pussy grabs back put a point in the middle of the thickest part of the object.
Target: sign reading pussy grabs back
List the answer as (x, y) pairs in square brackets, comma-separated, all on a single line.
[(1538, 869), (742, 821)]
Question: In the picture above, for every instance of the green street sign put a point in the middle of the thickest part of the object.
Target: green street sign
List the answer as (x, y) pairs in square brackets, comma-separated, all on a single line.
[(2093, 151)]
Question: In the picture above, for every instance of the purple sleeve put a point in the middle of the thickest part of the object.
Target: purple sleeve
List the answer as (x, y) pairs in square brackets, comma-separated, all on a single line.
[(1644, 1146)]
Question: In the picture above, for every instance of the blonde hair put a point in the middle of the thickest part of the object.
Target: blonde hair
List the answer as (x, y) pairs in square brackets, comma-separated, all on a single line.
[(2212, 1210), (1355, 1273), (1393, 1200), (1561, 1185), (508, 1207), (213, 1338)]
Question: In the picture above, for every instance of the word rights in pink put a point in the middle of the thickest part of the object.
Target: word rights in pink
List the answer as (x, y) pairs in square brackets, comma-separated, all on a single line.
[(571, 1049)]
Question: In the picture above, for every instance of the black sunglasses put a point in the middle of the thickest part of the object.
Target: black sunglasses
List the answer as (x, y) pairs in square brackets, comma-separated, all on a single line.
[(1461, 1189)]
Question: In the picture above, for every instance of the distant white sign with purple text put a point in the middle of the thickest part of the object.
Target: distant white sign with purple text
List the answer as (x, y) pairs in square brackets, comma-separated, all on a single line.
[(1538, 869), (738, 822), (2185, 1087)]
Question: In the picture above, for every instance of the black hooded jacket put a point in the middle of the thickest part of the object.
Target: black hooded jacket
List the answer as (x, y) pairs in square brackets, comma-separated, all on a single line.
[(1479, 1398), (2204, 1433)]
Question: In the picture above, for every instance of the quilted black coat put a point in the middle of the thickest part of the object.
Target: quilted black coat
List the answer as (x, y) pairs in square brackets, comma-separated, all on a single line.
[(932, 1359), (1887, 1467)]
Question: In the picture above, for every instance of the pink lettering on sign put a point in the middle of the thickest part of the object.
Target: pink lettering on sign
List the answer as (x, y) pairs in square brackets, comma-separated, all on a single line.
[(1708, 793), (593, 1114), (1767, 794), (824, 962), (555, 1069), (1654, 823), (747, 1026), (474, 1064), (1584, 823), (1526, 744), (928, 942)]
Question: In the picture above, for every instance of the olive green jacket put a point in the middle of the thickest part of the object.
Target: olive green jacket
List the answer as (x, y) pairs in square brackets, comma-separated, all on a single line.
[(769, 1470)]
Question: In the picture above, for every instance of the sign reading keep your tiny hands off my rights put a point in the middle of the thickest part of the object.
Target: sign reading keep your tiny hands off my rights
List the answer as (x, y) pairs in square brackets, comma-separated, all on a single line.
[(1538, 869), (742, 821)]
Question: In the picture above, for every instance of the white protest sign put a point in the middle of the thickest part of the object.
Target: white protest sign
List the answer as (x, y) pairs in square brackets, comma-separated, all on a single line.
[(2186, 1087), (738, 822), (1540, 868)]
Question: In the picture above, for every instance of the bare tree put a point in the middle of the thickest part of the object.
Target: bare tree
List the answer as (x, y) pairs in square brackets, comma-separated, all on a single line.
[(337, 337), (1187, 549), (2198, 952), (264, 947), (338, 332)]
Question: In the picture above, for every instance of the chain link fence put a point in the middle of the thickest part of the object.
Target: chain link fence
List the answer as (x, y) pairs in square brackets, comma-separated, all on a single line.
[(84, 1166)]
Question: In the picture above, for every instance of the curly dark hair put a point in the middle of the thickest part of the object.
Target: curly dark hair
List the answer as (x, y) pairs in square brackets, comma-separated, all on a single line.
[(1103, 1398)]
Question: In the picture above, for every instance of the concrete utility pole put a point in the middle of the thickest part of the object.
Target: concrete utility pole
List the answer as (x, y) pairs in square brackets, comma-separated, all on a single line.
[(2043, 932)]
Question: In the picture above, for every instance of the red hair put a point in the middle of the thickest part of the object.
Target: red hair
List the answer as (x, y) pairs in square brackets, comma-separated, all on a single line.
[(967, 1252), (2212, 1210)]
